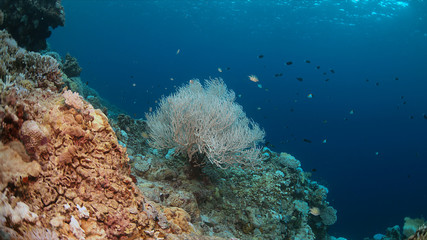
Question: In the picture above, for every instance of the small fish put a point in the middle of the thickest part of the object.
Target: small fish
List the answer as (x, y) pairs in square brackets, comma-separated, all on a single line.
[(327, 79), (253, 78), (313, 170), (317, 67), (259, 85), (228, 68), (300, 79), (404, 102), (310, 95), (401, 97), (289, 63), (133, 84), (171, 79), (332, 71), (324, 140), (178, 51), (307, 61), (219, 70), (258, 108), (351, 112), (278, 74), (307, 140), (87, 83), (260, 56)]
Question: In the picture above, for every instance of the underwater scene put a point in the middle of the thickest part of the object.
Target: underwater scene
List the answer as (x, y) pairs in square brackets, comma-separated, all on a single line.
[(213, 119)]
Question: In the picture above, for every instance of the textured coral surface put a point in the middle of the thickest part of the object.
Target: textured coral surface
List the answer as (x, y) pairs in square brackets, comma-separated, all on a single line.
[(80, 185)]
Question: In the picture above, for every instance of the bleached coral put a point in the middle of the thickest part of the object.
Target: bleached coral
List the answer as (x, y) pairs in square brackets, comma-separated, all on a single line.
[(15, 166), (15, 214)]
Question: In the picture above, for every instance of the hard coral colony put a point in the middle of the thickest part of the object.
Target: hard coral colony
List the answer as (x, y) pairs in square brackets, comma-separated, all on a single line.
[(66, 173)]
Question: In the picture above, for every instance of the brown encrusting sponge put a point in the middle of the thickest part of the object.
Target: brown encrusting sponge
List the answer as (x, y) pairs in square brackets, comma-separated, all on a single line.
[(63, 172)]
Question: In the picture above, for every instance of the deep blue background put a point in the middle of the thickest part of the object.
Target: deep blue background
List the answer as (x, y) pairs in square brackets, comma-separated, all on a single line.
[(121, 43)]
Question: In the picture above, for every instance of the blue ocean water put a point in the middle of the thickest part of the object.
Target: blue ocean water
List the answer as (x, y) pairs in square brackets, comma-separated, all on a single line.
[(363, 133)]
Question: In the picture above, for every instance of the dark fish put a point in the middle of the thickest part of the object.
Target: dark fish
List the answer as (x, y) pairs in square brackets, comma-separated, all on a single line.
[(289, 63), (332, 71), (228, 68), (324, 73), (313, 170), (307, 61), (404, 102), (300, 79), (377, 83), (87, 83), (396, 78), (131, 76), (367, 80), (425, 116), (278, 74), (291, 110), (327, 79), (401, 97), (317, 67), (307, 140), (261, 56), (411, 117)]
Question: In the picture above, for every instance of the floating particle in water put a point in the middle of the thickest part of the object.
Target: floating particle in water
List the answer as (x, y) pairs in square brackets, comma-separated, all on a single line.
[(289, 63), (240, 95), (178, 51), (258, 108), (134, 84), (324, 141), (367, 80), (310, 95), (307, 140), (220, 70), (171, 79), (351, 112), (307, 61), (253, 78), (259, 85), (377, 153), (131, 76), (260, 56), (300, 79), (291, 110), (325, 121)]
